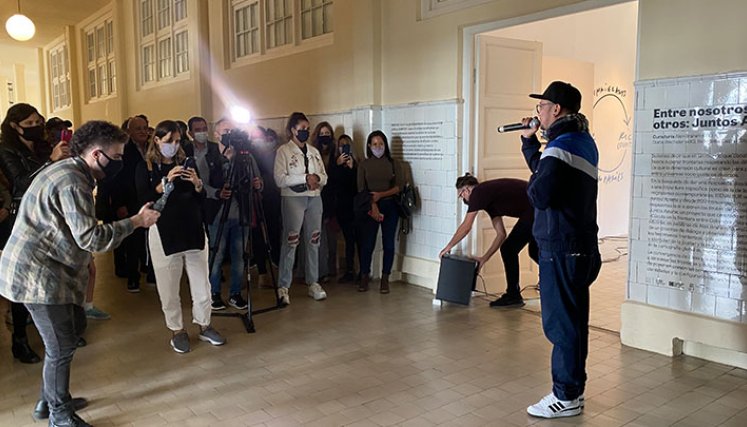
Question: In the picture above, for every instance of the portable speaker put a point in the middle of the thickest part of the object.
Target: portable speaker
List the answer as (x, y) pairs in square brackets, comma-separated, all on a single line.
[(456, 279)]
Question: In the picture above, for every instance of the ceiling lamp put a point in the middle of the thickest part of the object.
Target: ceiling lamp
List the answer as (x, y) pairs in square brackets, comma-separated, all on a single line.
[(20, 26)]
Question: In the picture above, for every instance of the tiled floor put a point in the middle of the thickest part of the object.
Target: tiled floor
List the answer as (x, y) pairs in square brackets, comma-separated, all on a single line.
[(363, 360)]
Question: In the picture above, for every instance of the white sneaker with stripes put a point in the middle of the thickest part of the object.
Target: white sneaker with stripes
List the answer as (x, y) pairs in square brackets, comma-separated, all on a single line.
[(552, 407)]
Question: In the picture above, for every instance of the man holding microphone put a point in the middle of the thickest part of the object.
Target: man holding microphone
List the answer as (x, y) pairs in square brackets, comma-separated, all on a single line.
[(563, 191)]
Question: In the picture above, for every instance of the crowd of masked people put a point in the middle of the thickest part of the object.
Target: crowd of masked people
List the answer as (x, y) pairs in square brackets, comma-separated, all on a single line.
[(282, 201)]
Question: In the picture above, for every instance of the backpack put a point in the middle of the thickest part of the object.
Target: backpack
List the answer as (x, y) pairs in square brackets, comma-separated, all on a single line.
[(406, 204)]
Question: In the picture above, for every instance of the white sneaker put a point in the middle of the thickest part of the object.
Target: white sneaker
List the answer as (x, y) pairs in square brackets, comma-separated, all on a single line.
[(552, 407), (316, 292), (285, 299)]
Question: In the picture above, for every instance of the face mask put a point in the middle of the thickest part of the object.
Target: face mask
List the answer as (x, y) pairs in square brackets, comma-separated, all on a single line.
[(324, 140), (302, 135), (169, 150), (33, 133), (201, 137), (112, 168), (378, 151)]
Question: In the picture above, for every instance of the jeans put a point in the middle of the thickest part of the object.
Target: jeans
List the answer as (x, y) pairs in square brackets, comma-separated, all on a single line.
[(60, 326), (233, 235), (519, 236), (369, 229), (300, 212), (564, 280)]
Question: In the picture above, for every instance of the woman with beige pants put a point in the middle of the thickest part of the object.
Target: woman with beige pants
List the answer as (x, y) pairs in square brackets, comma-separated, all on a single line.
[(178, 240)]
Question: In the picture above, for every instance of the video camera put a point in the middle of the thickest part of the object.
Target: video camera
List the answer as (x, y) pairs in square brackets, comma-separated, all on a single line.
[(238, 140)]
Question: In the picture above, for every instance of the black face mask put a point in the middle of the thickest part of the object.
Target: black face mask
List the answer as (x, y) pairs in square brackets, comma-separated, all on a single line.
[(324, 140), (111, 169), (33, 133), (302, 135)]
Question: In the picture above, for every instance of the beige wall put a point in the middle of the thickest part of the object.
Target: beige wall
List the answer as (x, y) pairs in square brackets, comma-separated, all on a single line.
[(691, 37), (20, 65), (422, 59), (331, 78)]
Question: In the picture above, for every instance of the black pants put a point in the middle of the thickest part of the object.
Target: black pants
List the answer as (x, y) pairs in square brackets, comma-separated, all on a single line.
[(520, 236), (20, 319), (347, 225), (60, 326), (134, 246)]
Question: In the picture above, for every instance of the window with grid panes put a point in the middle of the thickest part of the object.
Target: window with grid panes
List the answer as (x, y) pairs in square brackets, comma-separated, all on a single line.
[(246, 28), (164, 41), (59, 73), (316, 18), (100, 59), (181, 52), (278, 23)]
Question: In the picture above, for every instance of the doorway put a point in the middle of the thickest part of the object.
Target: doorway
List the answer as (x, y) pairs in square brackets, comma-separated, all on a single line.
[(595, 50)]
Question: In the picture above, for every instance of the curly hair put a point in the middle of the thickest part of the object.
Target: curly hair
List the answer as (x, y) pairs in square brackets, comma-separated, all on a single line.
[(96, 133)]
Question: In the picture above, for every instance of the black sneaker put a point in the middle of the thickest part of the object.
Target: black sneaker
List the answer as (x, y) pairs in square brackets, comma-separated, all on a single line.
[(238, 302), (133, 287), (217, 303), (506, 301), (346, 278)]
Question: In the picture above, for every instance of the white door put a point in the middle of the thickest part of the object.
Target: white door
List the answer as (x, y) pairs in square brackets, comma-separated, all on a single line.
[(507, 72)]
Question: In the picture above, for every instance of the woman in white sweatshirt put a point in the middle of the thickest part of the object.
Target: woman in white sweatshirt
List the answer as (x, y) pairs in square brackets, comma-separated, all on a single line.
[(300, 175)]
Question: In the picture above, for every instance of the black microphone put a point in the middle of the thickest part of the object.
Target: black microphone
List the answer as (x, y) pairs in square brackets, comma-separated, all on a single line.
[(519, 126)]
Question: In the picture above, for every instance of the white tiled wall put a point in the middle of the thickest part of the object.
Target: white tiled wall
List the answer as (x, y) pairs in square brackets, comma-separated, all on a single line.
[(722, 289)]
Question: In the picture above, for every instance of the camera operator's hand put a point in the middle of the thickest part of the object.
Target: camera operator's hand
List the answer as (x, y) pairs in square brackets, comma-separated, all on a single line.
[(527, 133), (175, 173), (225, 193), (60, 151), (312, 181), (228, 153), (146, 217), (341, 159), (257, 183), (349, 161)]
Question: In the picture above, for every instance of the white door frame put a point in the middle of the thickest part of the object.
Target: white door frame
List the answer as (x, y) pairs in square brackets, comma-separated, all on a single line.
[(468, 155)]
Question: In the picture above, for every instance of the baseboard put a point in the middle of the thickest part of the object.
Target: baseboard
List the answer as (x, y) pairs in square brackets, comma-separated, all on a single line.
[(672, 332)]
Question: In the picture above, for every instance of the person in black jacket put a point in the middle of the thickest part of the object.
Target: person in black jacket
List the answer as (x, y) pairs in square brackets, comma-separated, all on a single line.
[(178, 240), (343, 175), (125, 201), (237, 197), (264, 144), (563, 191), (22, 143)]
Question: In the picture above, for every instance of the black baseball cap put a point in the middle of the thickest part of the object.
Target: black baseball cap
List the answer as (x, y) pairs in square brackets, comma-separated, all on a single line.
[(56, 122), (561, 93)]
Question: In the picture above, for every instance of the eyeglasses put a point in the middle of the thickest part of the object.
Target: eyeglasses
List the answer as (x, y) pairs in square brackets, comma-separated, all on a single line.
[(542, 105)]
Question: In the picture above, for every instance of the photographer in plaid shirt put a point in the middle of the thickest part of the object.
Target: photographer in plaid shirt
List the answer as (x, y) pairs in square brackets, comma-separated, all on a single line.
[(45, 262)]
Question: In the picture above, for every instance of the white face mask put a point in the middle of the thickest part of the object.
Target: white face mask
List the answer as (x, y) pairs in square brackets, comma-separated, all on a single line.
[(201, 137), (378, 151), (169, 150)]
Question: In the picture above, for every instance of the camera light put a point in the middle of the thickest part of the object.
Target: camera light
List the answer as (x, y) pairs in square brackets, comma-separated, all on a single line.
[(240, 115)]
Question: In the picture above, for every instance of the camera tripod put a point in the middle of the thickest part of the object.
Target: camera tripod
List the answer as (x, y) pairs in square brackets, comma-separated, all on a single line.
[(240, 183)]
